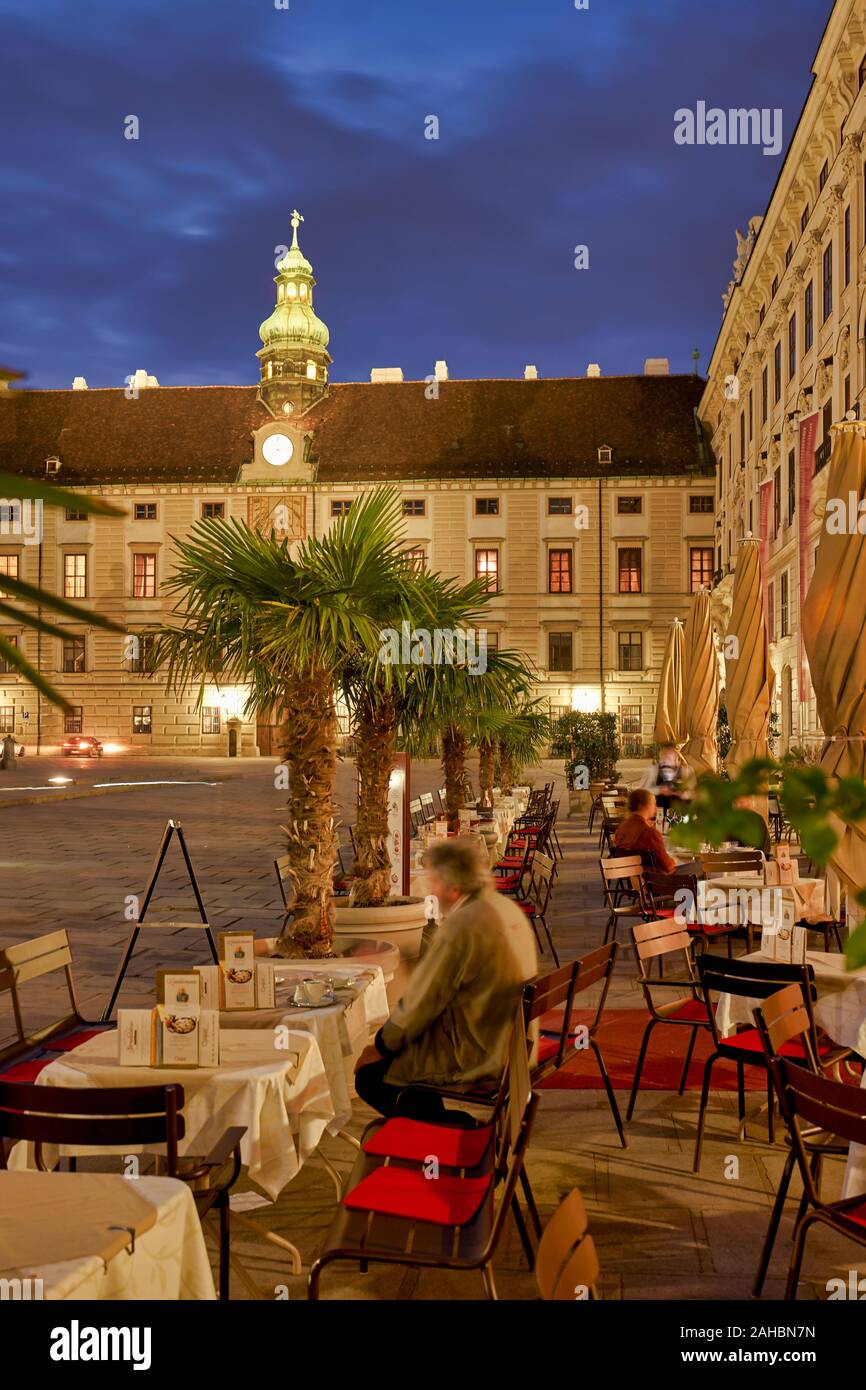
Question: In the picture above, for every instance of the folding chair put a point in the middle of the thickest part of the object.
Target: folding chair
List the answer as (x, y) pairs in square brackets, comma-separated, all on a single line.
[(566, 1259), (652, 940), (753, 979), (127, 1116), (621, 876), (536, 904), (25, 963), (834, 1108), (782, 1019)]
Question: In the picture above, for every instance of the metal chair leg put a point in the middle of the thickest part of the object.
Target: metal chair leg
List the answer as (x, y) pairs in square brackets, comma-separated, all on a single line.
[(617, 1119), (702, 1112), (773, 1228), (797, 1253), (687, 1063), (639, 1068)]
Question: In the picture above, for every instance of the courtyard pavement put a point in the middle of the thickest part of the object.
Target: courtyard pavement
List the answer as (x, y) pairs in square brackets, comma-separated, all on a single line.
[(662, 1232)]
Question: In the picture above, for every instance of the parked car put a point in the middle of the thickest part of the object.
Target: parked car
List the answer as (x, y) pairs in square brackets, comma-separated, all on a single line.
[(81, 746)]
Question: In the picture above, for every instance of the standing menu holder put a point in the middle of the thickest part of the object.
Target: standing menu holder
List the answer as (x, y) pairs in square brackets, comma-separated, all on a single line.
[(173, 827)]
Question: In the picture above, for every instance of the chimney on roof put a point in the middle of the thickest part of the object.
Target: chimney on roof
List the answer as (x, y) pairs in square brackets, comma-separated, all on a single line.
[(530, 373), (656, 366), (441, 371), (79, 383), (593, 369), (386, 374)]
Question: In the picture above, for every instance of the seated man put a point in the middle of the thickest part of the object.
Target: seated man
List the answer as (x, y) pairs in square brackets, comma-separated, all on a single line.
[(453, 1022), (638, 835)]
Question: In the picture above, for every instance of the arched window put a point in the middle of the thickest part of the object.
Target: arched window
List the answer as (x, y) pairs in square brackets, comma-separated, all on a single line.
[(311, 371), (292, 290), (270, 369), (303, 291)]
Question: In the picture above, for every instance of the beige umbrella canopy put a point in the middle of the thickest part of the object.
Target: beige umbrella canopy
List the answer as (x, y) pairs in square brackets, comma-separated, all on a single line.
[(670, 725), (835, 641), (701, 687), (748, 675)]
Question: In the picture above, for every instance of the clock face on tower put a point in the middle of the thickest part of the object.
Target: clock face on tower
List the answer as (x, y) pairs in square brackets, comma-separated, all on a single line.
[(277, 449)]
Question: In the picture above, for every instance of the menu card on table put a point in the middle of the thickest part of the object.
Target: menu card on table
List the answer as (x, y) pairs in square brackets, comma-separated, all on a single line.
[(215, 995)]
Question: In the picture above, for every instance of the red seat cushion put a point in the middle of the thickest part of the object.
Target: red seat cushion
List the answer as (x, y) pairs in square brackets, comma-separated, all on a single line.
[(857, 1214), (508, 881), (547, 1048), (67, 1041), (415, 1141), (668, 912), (406, 1192), (706, 930), (692, 1009), (526, 906), (25, 1071), (750, 1041)]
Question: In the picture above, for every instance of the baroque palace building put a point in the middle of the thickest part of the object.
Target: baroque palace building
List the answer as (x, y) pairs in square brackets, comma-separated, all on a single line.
[(789, 359), (587, 504)]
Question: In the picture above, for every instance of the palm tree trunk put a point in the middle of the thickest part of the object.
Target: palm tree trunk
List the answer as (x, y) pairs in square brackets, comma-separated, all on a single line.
[(376, 737), (310, 734), (454, 768), (506, 769), (486, 770)]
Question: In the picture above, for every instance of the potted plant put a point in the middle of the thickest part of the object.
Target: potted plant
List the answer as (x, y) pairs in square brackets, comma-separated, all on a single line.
[(589, 745)]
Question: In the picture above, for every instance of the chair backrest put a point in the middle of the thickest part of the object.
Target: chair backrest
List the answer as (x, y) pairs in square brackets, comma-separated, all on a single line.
[(665, 890), (427, 807), (562, 1240), (281, 869), (97, 1117), (663, 937), (786, 1016), (33, 960), (732, 861), (546, 993), (542, 880), (750, 979), (594, 968), (827, 1105), (621, 866)]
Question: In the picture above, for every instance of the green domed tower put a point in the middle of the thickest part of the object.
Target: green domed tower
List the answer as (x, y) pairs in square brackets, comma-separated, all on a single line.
[(294, 355)]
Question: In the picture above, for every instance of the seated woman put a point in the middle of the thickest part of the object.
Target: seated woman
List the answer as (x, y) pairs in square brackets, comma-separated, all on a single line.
[(454, 1021)]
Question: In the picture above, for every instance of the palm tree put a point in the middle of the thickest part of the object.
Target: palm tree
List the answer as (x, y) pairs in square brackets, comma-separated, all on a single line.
[(287, 626), (524, 736), (390, 698), (25, 490)]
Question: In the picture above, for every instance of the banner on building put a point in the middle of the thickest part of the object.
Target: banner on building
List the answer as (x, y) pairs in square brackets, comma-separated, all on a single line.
[(808, 436)]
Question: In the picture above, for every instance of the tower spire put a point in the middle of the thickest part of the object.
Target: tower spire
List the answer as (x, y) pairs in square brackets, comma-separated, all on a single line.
[(294, 356)]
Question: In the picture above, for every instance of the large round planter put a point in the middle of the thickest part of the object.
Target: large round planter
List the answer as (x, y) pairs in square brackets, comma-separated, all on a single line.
[(401, 924), (578, 803)]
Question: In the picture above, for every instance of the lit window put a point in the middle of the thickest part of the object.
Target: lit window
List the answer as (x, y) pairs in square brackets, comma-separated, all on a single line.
[(700, 567), (9, 567), (303, 291), (142, 719), (75, 576), (559, 571), (311, 371), (487, 567), (414, 557), (6, 666), (630, 570), (144, 576), (210, 719), (270, 369), (293, 291), (73, 655)]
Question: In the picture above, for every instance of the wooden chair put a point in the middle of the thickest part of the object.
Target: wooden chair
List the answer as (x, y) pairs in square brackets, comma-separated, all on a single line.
[(536, 903), (623, 877), (23, 964), (428, 810), (781, 1020), (815, 1103), (128, 1116), (566, 1259), (719, 863), (653, 940), (664, 893), (752, 979)]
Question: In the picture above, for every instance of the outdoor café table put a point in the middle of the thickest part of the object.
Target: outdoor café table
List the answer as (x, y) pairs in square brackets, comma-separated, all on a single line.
[(807, 895), (59, 1225), (840, 1009), (281, 1097), (342, 1030)]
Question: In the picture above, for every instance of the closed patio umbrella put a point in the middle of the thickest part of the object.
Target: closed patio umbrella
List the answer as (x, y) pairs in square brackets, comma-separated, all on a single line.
[(834, 619), (670, 725), (749, 675), (701, 687)]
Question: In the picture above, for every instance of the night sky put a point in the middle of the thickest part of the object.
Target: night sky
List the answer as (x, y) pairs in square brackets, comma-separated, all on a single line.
[(556, 129)]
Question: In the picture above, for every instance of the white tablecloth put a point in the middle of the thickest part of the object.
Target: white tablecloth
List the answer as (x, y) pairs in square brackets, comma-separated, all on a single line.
[(169, 1261), (286, 1107), (342, 1030), (807, 896), (840, 1009)]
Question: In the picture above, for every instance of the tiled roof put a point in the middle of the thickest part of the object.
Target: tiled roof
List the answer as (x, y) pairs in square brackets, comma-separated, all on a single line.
[(363, 431)]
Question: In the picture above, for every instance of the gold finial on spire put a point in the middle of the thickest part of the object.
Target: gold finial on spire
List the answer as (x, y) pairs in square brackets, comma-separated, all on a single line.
[(296, 220)]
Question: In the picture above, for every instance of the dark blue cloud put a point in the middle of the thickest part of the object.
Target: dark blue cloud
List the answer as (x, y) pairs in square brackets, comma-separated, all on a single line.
[(556, 129)]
